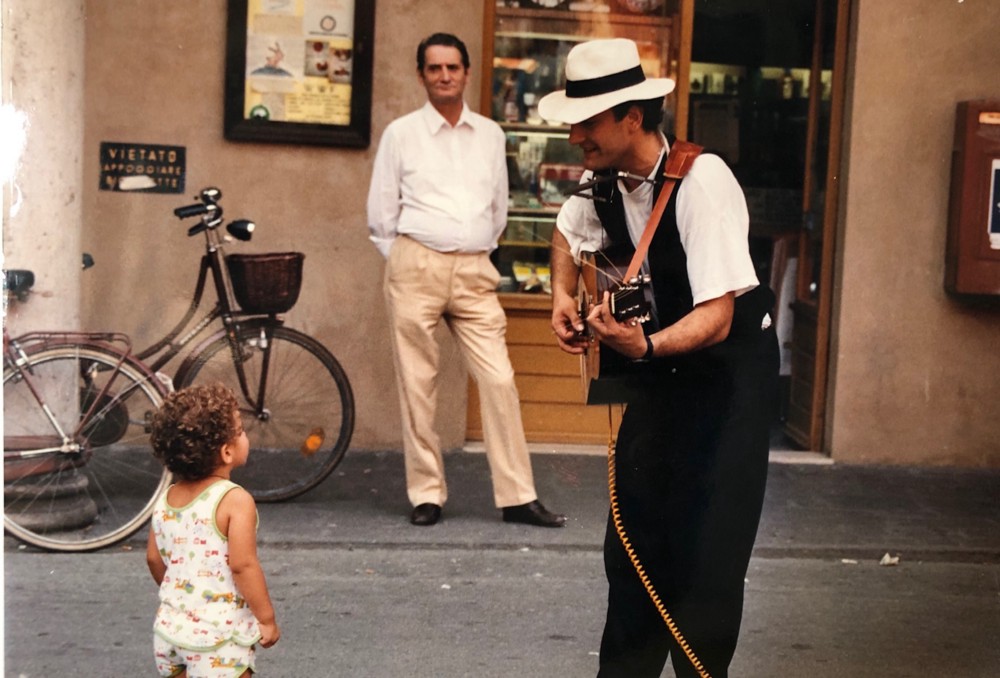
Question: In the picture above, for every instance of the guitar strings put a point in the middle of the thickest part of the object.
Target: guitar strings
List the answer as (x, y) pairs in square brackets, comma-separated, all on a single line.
[(523, 230)]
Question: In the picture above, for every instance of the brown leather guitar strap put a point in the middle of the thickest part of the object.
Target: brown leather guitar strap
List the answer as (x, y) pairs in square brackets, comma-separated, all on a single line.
[(679, 161)]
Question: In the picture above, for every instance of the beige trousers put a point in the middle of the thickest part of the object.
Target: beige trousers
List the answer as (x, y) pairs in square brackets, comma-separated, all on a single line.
[(423, 287)]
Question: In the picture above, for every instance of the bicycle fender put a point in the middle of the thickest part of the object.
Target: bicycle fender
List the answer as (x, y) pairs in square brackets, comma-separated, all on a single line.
[(37, 342)]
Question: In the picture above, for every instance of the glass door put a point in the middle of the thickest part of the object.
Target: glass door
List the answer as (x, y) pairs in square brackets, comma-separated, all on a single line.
[(766, 95), (813, 287)]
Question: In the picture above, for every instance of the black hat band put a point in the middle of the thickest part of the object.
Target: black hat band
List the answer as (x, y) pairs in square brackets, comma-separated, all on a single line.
[(579, 89)]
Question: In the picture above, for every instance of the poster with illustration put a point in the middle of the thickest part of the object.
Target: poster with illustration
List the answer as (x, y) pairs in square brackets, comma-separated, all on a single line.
[(270, 67), (299, 62)]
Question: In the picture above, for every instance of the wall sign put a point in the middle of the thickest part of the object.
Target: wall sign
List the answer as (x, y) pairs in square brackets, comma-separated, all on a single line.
[(142, 168), (299, 72)]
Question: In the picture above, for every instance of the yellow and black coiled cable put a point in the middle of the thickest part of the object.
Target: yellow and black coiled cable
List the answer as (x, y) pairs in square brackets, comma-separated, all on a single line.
[(639, 569)]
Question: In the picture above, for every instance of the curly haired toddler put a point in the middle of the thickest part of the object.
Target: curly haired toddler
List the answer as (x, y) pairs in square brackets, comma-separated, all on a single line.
[(202, 549)]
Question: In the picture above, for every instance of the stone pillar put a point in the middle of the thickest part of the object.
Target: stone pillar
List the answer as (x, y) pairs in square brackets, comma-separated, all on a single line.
[(42, 74)]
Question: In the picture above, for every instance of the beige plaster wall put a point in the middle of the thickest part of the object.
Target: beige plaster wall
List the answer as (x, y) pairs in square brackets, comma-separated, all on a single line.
[(43, 79), (915, 374), (155, 75)]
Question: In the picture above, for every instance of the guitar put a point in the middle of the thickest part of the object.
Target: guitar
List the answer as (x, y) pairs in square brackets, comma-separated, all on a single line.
[(608, 376)]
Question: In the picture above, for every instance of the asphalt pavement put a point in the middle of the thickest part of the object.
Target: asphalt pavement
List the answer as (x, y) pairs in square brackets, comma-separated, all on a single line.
[(361, 592)]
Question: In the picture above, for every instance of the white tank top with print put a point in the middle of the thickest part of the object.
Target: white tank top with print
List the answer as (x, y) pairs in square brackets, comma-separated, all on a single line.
[(200, 607)]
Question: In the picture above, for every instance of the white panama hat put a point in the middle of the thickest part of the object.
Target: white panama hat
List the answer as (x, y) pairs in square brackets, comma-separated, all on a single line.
[(601, 74)]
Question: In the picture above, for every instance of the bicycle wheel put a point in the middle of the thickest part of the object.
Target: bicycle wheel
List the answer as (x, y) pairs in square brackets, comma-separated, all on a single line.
[(104, 492), (305, 425)]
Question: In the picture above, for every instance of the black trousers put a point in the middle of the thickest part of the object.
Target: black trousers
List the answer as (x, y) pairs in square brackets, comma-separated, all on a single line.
[(691, 466)]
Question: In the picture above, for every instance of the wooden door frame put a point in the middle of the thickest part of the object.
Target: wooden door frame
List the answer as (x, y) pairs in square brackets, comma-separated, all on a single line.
[(824, 303), (486, 75), (683, 37)]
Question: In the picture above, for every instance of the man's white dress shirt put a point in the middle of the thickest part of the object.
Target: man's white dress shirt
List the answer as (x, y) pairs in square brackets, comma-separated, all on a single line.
[(443, 186)]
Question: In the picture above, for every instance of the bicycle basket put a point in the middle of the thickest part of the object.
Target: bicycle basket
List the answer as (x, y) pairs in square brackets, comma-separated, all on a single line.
[(266, 283)]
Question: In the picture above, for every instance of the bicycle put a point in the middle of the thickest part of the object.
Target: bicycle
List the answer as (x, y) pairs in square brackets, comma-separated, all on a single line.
[(78, 473), (296, 400)]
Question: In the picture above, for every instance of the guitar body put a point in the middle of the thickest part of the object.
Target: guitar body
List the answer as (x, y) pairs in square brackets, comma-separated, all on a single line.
[(609, 377)]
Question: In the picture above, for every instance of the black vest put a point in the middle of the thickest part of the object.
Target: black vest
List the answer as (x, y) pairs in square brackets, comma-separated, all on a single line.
[(668, 271)]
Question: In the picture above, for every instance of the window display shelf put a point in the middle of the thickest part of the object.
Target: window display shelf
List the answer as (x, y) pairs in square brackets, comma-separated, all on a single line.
[(529, 48), (540, 166), (525, 47)]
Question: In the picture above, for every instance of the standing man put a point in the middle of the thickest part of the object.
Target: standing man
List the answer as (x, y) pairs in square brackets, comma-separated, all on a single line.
[(692, 449), (436, 207)]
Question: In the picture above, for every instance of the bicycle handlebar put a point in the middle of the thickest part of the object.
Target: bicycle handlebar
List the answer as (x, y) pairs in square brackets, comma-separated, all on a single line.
[(190, 211), (210, 211), (208, 204)]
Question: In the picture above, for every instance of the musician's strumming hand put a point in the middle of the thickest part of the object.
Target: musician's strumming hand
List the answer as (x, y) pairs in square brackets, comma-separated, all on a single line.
[(569, 329), (626, 338)]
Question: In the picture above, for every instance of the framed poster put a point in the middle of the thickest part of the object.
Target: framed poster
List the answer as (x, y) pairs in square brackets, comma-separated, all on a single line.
[(299, 71)]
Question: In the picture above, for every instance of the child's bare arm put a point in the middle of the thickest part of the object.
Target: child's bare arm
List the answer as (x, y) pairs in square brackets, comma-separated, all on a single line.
[(247, 572), (154, 560)]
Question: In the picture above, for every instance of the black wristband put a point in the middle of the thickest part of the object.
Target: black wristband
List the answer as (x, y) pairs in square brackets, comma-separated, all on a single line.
[(649, 349)]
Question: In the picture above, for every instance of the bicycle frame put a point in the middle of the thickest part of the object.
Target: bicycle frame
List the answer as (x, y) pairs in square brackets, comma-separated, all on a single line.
[(72, 446), (225, 308)]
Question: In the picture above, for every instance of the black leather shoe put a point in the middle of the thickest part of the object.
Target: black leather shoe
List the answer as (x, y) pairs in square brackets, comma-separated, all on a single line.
[(425, 514), (532, 513)]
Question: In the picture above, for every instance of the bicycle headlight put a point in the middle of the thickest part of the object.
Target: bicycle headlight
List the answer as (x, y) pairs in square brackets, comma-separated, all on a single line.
[(241, 229)]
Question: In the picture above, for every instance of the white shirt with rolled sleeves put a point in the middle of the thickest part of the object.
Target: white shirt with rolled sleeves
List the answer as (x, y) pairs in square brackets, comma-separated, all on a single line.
[(712, 220), (443, 186)]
